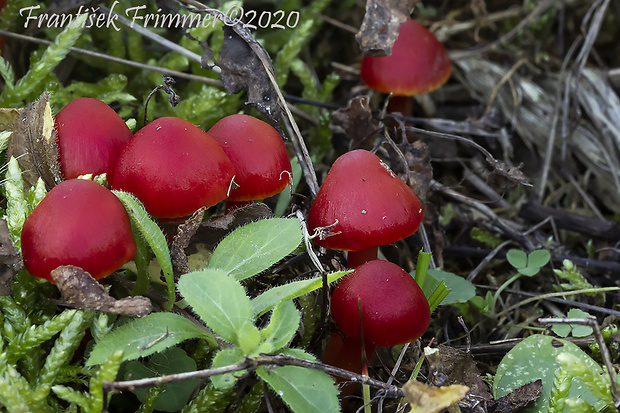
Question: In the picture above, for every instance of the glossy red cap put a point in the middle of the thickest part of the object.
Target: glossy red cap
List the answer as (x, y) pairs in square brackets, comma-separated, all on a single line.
[(90, 137), (394, 308), (174, 168), (256, 149), (372, 206), (81, 223), (419, 63)]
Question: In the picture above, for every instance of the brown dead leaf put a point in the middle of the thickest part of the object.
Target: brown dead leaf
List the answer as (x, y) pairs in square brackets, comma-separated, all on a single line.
[(10, 260), (181, 241), (381, 23), (33, 143), (243, 70), (431, 399), (448, 365), (7, 119), (356, 122), (80, 290), (517, 399)]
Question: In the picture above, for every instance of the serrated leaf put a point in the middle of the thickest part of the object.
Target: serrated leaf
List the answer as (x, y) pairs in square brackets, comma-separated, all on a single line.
[(145, 336), (517, 258), (538, 258), (219, 300), (224, 358), (270, 298), (255, 247), (153, 236), (536, 358), (302, 389), (282, 326)]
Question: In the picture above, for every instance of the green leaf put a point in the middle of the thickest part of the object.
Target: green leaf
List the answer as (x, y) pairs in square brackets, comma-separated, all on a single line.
[(577, 330), (538, 258), (282, 327), (170, 361), (153, 236), (304, 390), (517, 258), (536, 358), (270, 298), (255, 247), (145, 336), (16, 201), (219, 300), (461, 290), (529, 271), (225, 358), (39, 70)]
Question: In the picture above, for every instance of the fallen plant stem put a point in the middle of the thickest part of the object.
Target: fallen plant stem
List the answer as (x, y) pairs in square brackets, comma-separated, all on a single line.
[(560, 294), (251, 364), (175, 73)]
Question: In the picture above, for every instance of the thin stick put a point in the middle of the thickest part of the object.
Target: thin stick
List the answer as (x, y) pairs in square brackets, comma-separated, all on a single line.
[(251, 364), (131, 63)]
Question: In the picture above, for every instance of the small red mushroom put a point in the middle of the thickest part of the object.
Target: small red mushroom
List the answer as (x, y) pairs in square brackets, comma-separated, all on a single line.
[(90, 137), (174, 168), (81, 223), (419, 63), (393, 307), (256, 149), (364, 205)]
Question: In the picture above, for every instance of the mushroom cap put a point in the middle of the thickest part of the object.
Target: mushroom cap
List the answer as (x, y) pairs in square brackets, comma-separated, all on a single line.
[(174, 168), (394, 308), (256, 149), (371, 205), (419, 63), (81, 223), (90, 137)]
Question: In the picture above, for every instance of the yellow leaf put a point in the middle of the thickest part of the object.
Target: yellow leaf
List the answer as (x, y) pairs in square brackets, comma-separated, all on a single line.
[(431, 399)]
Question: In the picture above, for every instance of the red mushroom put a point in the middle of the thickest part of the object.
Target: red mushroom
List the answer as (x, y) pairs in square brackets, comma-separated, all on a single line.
[(81, 223), (174, 168), (256, 149), (364, 205), (393, 307), (419, 63), (90, 138)]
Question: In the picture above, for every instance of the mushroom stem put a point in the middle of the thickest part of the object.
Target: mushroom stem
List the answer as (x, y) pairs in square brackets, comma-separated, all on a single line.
[(402, 105), (357, 258), (232, 205)]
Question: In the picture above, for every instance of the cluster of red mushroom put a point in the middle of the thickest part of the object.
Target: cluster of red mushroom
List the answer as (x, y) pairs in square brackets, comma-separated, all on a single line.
[(362, 205), (171, 165)]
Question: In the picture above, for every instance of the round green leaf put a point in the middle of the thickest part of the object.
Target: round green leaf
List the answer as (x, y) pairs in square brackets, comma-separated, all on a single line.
[(538, 258), (517, 258), (536, 358)]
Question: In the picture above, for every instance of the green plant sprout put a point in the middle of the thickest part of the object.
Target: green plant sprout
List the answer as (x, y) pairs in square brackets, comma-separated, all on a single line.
[(526, 265), (217, 296)]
